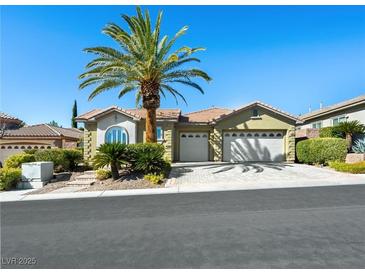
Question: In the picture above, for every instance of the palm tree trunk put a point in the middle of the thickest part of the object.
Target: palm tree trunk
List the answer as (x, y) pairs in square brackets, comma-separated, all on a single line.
[(151, 136), (349, 141), (115, 171)]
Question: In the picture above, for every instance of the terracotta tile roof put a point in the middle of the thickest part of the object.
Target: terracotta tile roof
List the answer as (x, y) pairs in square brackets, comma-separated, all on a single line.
[(95, 113), (205, 115), (339, 106), (168, 114), (260, 104), (172, 114), (43, 130), (5, 116)]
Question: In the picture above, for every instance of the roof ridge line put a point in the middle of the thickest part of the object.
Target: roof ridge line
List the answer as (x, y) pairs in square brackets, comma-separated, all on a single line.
[(205, 109), (50, 127)]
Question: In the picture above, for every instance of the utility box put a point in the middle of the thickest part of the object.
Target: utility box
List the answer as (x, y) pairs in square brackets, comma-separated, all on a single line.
[(36, 174)]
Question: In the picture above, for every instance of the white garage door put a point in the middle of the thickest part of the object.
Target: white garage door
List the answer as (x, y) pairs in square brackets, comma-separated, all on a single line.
[(193, 146), (253, 146)]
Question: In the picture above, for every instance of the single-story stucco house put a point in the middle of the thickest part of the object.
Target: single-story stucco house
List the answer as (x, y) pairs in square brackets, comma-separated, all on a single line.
[(41, 136), (254, 132), (350, 110)]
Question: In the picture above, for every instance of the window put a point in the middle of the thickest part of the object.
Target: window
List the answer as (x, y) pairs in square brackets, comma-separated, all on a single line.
[(317, 125), (242, 135), (257, 135), (116, 135), (279, 135), (339, 119), (234, 135), (255, 112), (226, 135), (183, 136), (263, 135), (159, 132)]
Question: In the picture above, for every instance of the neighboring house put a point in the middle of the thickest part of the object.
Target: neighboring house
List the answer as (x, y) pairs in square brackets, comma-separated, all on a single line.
[(9, 122), (350, 110), (254, 132), (41, 136)]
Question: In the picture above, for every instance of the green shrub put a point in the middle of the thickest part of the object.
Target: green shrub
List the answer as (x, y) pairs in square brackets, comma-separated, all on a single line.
[(103, 174), (56, 156), (73, 157), (330, 132), (357, 168), (154, 178), (30, 151), (9, 177), (147, 158), (16, 160), (321, 150)]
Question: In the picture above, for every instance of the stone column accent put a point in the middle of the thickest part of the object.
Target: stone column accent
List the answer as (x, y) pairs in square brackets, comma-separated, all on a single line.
[(89, 141), (290, 139), (215, 140), (168, 141)]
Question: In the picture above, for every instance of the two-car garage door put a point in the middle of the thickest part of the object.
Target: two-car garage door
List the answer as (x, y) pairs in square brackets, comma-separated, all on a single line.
[(240, 146), (253, 146)]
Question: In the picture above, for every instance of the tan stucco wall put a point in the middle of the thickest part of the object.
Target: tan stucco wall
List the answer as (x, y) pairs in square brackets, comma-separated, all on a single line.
[(168, 134), (90, 132), (268, 121)]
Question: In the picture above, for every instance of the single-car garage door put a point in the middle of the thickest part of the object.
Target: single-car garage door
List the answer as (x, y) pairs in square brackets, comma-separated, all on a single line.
[(193, 146), (253, 146)]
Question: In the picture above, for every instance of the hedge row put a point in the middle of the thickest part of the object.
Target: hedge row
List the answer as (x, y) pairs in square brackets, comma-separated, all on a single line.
[(321, 150), (63, 159)]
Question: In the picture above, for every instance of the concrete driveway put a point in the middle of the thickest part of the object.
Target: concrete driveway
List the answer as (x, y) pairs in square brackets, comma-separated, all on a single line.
[(206, 175)]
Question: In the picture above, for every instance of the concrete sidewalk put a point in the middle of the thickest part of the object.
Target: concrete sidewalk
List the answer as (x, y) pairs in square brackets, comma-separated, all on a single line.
[(173, 187)]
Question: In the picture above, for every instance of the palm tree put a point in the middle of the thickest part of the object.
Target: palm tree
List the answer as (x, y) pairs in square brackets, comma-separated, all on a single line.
[(112, 155), (144, 63), (349, 129)]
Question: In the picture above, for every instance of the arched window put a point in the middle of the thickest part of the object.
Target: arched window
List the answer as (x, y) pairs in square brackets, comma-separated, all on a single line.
[(9, 147), (234, 135), (257, 135), (116, 135), (16, 147), (279, 135), (22, 147), (263, 135), (242, 135), (2, 147), (42, 147), (29, 147), (36, 147), (183, 136), (226, 135), (48, 147)]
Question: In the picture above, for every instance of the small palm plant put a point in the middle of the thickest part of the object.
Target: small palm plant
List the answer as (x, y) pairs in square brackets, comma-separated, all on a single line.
[(144, 64), (112, 155), (359, 146), (349, 129)]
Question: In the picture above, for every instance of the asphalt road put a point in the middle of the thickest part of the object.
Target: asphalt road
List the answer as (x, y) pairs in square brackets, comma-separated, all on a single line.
[(321, 227)]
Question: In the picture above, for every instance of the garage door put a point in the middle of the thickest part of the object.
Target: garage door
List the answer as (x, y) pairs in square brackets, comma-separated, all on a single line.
[(253, 146), (193, 146)]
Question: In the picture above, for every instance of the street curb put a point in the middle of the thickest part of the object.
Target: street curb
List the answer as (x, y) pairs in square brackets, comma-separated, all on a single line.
[(176, 189)]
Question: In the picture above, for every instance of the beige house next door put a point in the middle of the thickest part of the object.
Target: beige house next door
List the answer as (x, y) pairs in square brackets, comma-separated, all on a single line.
[(193, 146)]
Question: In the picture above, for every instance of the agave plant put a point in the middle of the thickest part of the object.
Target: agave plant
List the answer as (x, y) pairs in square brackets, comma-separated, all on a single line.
[(112, 155), (349, 129), (143, 63), (359, 146)]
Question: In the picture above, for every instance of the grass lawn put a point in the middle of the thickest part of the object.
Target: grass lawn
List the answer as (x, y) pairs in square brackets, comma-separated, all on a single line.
[(356, 168)]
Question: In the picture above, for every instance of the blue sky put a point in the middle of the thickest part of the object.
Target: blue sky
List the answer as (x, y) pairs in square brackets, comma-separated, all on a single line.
[(288, 56)]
